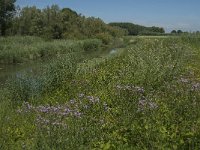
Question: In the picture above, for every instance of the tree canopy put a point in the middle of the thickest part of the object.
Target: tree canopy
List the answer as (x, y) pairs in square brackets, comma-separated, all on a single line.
[(134, 29), (56, 23), (7, 7), (177, 32)]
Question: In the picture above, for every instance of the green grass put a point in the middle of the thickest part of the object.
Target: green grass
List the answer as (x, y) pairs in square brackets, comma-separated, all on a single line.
[(144, 96), (15, 50)]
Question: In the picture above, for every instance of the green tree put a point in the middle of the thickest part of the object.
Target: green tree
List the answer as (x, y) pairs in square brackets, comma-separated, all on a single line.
[(105, 37), (55, 23), (179, 31), (173, 32), (134, 29), (7, 9)]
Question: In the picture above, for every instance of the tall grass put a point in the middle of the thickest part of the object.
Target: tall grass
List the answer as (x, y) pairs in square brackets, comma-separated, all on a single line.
[(25, 85), (24, 49), (143, 96)]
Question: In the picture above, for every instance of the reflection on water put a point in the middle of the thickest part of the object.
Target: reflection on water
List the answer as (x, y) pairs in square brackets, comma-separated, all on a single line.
[(16, 70), (113, 51)]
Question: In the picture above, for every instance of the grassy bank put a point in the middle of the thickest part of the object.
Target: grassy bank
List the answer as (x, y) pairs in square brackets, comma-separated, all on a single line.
[(24, 49), (144, 96)]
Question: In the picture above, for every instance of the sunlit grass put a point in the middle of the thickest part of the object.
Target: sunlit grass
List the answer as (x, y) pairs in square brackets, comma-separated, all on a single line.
[(144, 96), (15, 50)]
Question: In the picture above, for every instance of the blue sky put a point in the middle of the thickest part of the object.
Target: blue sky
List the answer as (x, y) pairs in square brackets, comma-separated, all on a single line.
[(170, 14)]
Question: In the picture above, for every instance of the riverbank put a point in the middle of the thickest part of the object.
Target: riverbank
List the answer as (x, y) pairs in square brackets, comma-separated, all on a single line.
[(14, 50), (20, 54), (145, 95)]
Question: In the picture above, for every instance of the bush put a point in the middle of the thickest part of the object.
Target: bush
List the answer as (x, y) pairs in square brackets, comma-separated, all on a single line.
[(105, 37), (91, 45)]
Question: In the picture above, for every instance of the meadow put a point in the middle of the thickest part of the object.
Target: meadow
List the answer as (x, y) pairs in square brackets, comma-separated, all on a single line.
[(145, 95)]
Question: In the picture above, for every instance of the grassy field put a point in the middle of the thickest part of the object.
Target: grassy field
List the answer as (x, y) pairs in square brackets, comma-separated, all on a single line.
[(143, 96)]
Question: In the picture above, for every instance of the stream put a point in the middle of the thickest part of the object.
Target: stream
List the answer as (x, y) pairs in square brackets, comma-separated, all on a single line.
[(13, 70)]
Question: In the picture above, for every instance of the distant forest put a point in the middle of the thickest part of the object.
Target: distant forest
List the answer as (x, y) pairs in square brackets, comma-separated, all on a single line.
[(56, 23), (134, 29)]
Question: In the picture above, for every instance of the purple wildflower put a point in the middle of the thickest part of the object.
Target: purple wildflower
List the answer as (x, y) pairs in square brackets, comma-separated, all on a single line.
[(195, 86), (43, 109), (85, 107), (81, 95), (152, 105), (131, 88), (72, 101), (77, 114), (183, 80), (118, 86), (93, 99), (41, 120), (105, 105), (19, 110), (146, 104), (139, 89)]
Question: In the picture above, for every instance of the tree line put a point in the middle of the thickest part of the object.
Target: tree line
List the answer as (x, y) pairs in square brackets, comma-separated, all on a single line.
[(57, 23), (134, 29), (53, 22), (7, 10)]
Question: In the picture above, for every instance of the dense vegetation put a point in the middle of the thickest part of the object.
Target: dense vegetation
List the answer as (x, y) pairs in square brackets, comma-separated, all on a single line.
[(7, 9), (134, 29), (55, 23), (144, 96), (98, 88), (24, 49)]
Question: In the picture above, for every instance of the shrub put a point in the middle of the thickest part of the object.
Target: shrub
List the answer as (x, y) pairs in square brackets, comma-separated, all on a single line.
[(91, 45), (105, 37)]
